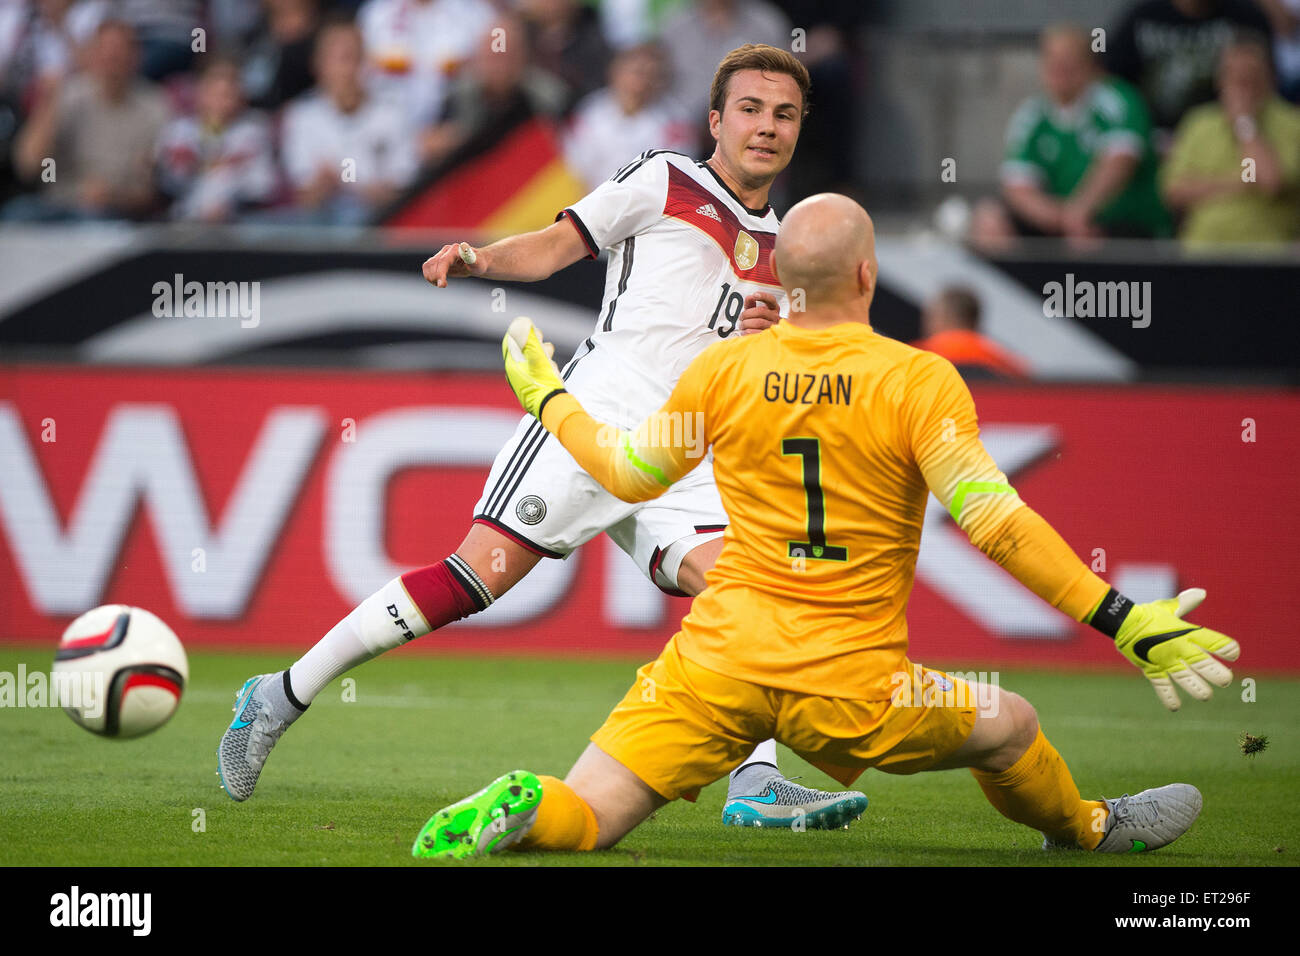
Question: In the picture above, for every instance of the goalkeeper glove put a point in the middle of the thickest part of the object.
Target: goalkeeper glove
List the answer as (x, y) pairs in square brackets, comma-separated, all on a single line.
[(529, 368), (1165, 648)]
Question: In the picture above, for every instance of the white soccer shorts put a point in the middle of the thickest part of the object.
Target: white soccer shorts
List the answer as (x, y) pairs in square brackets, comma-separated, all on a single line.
[(540, 497)]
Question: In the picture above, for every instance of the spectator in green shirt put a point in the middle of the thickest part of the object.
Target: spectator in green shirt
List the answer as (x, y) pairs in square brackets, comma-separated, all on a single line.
[(1079, 162), (1234, 169)]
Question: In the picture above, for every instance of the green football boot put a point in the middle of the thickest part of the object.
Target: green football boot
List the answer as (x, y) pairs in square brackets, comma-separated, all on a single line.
[(493, 819)]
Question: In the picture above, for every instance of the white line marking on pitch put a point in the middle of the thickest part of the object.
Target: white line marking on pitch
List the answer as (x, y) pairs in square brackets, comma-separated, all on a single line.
[(440, 702)]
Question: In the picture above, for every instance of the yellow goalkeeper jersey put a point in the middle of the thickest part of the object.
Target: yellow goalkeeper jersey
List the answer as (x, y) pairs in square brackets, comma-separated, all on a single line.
[(826, 444)]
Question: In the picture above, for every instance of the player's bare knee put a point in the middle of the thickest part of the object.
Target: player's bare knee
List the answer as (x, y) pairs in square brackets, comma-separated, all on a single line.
[(621, 809), (611, 829), (1026, 723), (615, 816), (617, 797), (696, 563), (1022, 728), (1010, 725), (689, 579), (499, 562)]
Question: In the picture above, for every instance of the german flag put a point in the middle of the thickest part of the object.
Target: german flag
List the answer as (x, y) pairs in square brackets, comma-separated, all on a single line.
[(515, 183)]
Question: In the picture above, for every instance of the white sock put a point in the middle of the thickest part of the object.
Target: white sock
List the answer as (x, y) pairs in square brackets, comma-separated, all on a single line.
[(763, 753), (386, 619)]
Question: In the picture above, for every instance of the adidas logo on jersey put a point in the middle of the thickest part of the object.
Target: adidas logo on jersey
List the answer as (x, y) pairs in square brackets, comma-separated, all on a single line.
[(708, 210)]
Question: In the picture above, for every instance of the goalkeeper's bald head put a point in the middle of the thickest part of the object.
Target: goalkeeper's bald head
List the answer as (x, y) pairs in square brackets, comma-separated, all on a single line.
[(825, 258)]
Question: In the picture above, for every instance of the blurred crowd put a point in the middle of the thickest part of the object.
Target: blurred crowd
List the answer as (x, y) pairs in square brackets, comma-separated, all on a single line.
[(1176, 120), (325, 111)]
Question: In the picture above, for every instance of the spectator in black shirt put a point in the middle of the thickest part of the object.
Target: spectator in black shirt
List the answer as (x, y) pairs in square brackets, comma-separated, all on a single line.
[(566, 41), (497, 89), (278, 65), (1169, 50)]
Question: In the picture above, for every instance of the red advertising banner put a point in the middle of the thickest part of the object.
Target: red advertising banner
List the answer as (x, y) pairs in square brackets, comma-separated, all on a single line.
[(256, 508)]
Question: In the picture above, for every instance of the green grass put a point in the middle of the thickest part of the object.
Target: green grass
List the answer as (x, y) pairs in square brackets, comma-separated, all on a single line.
[(352, 783)]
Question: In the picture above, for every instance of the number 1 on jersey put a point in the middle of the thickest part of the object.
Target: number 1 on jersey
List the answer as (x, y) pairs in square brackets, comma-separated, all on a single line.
[(810, 449)]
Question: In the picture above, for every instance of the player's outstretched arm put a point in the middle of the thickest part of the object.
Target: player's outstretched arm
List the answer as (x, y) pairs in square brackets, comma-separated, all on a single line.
[(962, 475), (633, 466), (527, 257), (1152, 637)]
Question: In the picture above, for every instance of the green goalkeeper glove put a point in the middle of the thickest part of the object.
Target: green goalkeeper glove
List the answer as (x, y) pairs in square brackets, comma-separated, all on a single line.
[(529, 368), (1165, 648)]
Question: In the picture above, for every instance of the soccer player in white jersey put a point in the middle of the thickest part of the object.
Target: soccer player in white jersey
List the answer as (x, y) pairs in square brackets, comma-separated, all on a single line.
[(690, 263)]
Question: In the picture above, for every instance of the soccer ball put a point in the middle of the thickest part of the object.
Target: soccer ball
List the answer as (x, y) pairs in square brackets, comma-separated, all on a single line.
[(119, 671)]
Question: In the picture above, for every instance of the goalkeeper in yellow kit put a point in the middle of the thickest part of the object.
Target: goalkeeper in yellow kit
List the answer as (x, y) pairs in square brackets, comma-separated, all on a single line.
[(827, 439)]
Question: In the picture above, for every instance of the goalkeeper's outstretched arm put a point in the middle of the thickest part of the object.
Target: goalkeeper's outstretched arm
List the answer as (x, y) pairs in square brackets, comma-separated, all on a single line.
[(1152, 636), (633, 466)]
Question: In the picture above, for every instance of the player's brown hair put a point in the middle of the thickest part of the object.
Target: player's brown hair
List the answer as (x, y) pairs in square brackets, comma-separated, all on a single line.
[(758, 56)]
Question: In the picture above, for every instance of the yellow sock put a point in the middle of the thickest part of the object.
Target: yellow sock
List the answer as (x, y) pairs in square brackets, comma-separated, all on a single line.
[(1038, 791), (564, 821)]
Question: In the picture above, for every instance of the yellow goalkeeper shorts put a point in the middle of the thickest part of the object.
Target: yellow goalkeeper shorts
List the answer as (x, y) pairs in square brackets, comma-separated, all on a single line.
[(682, 726)]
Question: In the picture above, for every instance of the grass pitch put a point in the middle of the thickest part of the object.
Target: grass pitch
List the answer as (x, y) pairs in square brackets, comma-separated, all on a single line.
[(352, 782)]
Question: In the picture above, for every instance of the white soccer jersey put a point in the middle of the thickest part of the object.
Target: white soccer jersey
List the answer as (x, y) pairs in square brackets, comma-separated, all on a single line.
[(207, 171), (684, 253), (600, 134), (374, 136), (414, 47)]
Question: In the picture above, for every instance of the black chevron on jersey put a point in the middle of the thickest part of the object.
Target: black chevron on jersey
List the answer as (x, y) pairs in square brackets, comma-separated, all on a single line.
[(498, 496), (629, 247), (637, 163), (528, 443)]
